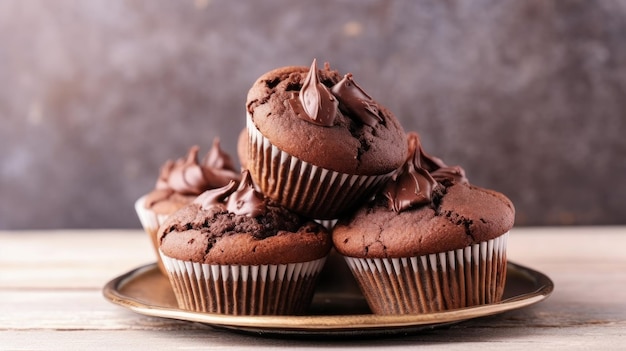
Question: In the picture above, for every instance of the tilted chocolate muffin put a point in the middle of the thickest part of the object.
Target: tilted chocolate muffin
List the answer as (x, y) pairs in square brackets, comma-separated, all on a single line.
[(318, 144), (179, 183), (234, 251), (429, 241)]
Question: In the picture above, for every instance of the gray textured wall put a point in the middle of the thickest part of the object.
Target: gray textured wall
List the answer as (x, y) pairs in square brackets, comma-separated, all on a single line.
[(528, 96)]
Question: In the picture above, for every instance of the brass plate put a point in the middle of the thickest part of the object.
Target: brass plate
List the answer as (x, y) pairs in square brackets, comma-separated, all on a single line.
[(338, 309)]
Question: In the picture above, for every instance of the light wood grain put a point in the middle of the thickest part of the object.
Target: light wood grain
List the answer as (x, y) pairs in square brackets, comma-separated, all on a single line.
[(51, 281)]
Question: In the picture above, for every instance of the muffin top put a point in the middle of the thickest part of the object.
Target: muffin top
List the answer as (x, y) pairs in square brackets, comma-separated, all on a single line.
[(183, 180), (326, 119), (426, 208), (235, 224)]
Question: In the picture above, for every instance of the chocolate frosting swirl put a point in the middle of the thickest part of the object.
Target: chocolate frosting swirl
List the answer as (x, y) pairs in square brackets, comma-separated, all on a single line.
[(240, 199), (317, 101), (219, 161), (189, 177), (411, 186), (419, 177), (356, 101), (318, 104), (441, 172)]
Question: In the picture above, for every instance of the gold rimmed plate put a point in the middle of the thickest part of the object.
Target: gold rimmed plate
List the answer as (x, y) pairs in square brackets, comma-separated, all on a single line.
[(338, 308)]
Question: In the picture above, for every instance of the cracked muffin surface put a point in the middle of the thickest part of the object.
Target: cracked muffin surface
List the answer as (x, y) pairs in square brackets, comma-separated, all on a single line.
[(427, 207), (346, 144), (237, 225), (459, 216), (219, 237)]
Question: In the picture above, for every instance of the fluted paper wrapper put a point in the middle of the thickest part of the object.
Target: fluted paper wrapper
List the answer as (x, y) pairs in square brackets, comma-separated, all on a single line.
[(284, 289), (433, 283), (151, 221), (327, 223), (305, 188)]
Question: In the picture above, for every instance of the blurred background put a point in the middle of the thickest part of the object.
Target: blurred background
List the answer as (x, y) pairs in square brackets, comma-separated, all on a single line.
[(528, 96)]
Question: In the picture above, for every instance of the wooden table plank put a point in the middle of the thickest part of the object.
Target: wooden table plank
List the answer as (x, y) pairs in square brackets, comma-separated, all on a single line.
[(531, 338), (50, 298), (70, 258)]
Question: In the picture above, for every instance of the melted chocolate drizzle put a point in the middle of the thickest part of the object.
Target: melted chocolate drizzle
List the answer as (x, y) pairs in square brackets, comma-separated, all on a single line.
[(237, 198), (419, 177), (317, 104), (189, 177), (316, 100), (356, 101)]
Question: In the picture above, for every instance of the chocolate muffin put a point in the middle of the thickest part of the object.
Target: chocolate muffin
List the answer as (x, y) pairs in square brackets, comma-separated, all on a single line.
[(234, 251), (318, 144), (179, 183), (429, 241)]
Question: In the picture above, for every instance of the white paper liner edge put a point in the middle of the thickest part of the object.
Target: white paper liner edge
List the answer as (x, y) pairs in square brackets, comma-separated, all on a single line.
[(327, 192), (435, 282), (150, 221), (243, 289)]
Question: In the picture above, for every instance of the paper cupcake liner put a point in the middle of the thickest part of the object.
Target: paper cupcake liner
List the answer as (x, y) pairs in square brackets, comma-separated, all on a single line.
[(303, 187), (151, 221), (327, 223), (454, 279), (283, 289)]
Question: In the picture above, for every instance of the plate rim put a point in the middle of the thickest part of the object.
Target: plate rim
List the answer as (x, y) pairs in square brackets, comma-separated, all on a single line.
[(328, 323)]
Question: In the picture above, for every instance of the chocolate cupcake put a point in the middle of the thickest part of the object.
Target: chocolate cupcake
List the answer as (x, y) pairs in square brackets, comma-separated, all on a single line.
[(234, 251), (318, 144), (429, 241), (179, 183)]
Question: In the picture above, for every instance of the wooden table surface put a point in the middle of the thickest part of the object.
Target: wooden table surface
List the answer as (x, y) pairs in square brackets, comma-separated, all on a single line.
[(51, 298)]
